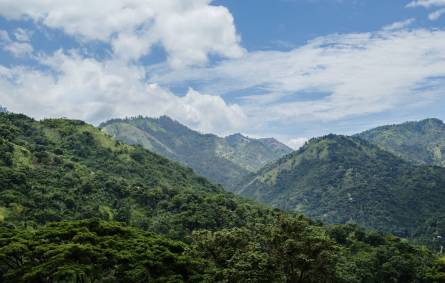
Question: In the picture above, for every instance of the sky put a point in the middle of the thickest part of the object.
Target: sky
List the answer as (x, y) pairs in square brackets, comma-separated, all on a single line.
[(289, 69)]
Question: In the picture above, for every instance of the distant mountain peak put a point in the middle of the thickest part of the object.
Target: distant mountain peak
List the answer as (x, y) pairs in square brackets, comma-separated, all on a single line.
[(433, 121), (166, 118), (238, 137)]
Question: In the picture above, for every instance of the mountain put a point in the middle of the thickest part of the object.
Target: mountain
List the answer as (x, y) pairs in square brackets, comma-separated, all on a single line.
[(68, 170), (420, 142), (3, 109), (341, 179), (78, 206), (224, 161)]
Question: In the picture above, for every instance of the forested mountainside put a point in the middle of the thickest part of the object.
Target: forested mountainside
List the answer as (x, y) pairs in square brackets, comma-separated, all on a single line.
[(420, 142), (78, 206), (340, 179), (224, 161), (66, 170)]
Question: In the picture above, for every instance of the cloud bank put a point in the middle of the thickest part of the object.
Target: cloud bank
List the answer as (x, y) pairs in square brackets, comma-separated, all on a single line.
[(94, 91), (330, 78), (189, 30)]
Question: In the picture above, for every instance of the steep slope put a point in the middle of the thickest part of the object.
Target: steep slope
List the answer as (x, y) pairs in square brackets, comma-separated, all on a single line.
[(67, 170), (420, 142), (342, 179), (224, 161)]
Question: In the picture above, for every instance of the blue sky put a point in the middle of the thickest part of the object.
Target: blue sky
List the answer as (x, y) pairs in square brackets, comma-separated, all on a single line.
[(292, 69)]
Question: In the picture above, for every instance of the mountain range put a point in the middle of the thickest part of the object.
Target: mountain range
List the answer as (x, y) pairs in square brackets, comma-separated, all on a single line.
[(67, 169), (225, 161), (79, 206), (385, 178)]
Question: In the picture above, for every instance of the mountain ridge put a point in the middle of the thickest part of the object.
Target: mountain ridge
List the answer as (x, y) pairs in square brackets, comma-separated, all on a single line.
[(341, 179), (224, 160), (419, 142)]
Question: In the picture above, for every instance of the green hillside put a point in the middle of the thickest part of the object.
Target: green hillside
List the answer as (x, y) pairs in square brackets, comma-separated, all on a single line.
[(340, 179), (420, 142), (224, 161), (78, 206), (66, 170)]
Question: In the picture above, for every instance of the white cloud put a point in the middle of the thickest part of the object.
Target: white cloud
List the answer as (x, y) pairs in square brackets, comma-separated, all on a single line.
[(436, 14), (131, 46), (188, 29), (186, 44), (207, 113), (331, 77), (327, 79), (17, 49), (400, 24), (23, 35), (296, 143), (430, 4), (426, 3), (94, 91)]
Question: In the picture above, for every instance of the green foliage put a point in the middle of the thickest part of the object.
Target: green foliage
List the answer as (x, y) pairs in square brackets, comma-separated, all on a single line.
[(420, 142), (93, 251), (375, 257), (289, 250), (341, 179), (222, 160)]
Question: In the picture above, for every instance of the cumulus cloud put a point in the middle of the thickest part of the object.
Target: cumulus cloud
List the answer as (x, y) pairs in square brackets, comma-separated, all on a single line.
[(75, 85), (331, 77), (189, 30), (86, 89), (430, 4)]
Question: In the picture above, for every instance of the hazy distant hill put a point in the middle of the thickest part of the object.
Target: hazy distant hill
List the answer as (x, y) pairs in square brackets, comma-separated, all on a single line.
[(341, 179), (421, 142), (223, 160)]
